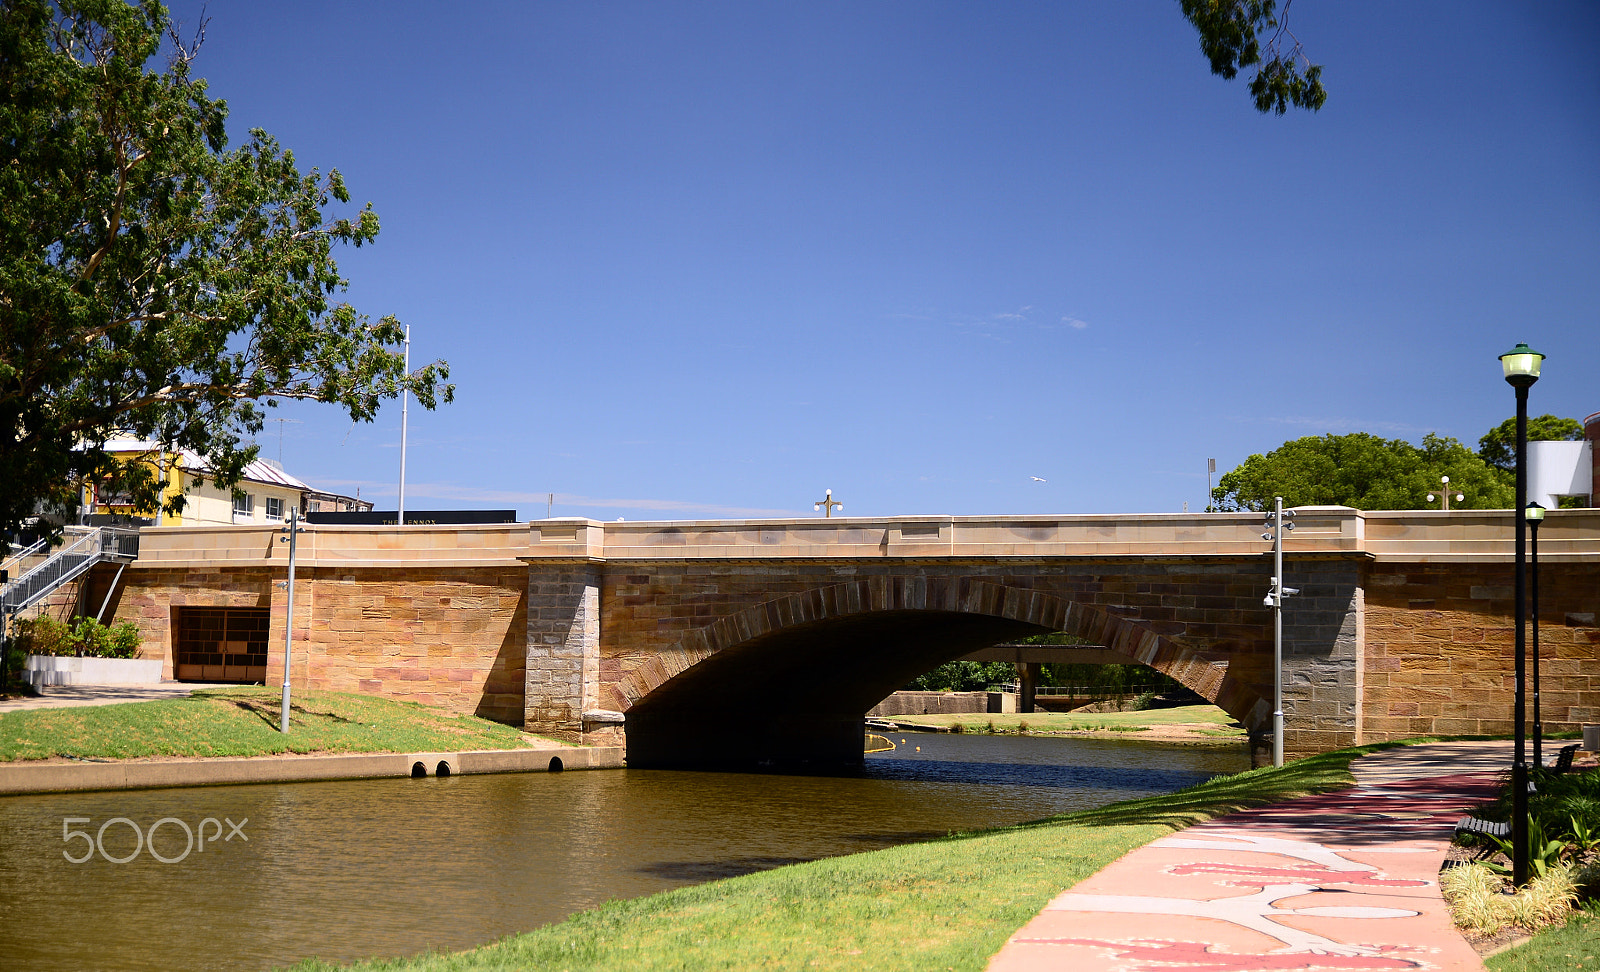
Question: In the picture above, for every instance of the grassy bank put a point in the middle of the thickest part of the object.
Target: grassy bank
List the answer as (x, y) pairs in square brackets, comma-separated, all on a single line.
[(244, 722), (1203, 720), (1575, 945), (946, 904)]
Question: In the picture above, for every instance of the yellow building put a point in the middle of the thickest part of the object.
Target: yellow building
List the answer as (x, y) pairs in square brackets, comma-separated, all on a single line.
[(266, 494)]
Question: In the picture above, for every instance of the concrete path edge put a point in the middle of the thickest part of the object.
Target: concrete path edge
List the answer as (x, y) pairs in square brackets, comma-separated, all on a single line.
[(19, 778)]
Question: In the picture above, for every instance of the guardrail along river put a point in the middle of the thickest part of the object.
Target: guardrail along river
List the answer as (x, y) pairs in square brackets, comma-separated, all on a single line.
[(251, 877)]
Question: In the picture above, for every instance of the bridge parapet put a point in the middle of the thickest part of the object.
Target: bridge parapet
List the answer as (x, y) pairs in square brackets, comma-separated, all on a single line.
[(1417, 536)]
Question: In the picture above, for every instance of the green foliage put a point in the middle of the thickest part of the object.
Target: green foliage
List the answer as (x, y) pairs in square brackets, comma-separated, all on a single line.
[(1231, 33), (1543, 854), (45, 635), (1114, 679), (963, 676), (1498, 447), (1362, 471), (154, 282), (85, 637), (12, 658)]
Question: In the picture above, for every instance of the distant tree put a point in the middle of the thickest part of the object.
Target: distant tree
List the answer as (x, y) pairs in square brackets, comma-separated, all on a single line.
[(1498, 447), (153, 282), (1361, 471), (963, 676), (1231, 33)]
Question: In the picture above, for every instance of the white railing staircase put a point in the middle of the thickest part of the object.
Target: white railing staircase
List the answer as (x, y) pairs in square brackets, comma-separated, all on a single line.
[(117, 545)]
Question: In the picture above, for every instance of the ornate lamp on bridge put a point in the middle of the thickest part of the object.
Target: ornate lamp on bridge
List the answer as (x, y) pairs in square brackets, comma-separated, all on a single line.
[(1444, 495), (1521, 367), (827, 504)]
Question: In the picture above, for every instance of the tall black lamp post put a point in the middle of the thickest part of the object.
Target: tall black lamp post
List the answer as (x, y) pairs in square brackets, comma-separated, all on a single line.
[(1521, 367), (1534, 514)]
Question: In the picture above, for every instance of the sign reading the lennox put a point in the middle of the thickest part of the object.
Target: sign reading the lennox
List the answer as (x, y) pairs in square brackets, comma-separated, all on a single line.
[(413, 517)]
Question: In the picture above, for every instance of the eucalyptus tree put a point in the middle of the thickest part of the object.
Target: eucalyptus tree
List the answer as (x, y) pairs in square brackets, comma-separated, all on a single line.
[(1237, 34), (155, 282)]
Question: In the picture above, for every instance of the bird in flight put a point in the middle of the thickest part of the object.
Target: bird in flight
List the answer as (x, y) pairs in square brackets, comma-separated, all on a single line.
[(1036, 479)]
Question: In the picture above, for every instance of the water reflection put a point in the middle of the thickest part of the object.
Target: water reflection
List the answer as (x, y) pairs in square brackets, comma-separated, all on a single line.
[(391, 867)]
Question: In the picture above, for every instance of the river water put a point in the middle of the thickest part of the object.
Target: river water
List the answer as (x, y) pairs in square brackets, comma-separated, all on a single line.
[(362, 868)]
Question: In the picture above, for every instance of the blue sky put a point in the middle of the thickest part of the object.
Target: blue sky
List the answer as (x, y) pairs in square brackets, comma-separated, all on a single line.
[(696, 260)]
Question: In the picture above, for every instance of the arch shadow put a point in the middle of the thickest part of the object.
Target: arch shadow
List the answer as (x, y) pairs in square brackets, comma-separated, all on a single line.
[(786, 683)]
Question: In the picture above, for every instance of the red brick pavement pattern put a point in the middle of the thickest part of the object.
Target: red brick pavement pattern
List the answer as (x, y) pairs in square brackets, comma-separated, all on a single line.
[(1345, 880)]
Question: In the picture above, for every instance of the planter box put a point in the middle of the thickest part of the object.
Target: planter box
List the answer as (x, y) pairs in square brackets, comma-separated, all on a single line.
[(42, 670)]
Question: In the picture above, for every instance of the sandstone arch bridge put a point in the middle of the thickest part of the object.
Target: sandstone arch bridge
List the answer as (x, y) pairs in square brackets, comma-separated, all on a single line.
[(764, 642)]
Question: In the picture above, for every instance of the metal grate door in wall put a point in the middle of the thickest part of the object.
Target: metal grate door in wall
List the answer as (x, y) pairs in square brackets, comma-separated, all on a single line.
[(220, 644)]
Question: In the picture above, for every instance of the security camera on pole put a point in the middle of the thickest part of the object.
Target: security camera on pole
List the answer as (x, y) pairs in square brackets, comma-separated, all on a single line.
[(1279, 521)]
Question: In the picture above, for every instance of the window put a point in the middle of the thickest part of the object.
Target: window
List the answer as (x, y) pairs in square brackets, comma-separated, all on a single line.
[(274, 508), (244, 506)]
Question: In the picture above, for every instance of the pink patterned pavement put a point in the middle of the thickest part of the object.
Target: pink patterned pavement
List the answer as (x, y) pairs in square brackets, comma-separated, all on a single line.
[(1345, 880)]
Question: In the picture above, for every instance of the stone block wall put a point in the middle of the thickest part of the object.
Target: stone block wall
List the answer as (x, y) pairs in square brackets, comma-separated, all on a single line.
[(1322, 658), (561, 672), (649, 614), (1440, 649), (452, 637)]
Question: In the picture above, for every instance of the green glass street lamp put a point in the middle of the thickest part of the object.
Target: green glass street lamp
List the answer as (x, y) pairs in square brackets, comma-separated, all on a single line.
[(1521, 367)]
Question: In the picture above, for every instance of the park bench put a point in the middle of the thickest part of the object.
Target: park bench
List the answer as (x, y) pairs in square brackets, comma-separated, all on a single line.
[(1472, 825), (1563, 761), (1487, 828)]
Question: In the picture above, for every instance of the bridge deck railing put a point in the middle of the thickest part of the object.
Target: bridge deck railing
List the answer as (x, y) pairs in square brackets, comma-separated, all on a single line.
[(1411, 536)]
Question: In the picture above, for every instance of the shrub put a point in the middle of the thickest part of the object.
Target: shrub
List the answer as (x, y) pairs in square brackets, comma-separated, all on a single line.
[(86, 637), (1479, 905), (45, 635), (123, 640)]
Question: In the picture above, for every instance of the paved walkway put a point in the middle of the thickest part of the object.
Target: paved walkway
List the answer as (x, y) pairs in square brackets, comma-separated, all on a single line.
[(66, 696), (1345, 880)]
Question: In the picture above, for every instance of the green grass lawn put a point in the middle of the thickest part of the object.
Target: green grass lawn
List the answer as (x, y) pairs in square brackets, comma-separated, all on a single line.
[(1574, 946), (945, 904), (1047, 722), (244, 722)]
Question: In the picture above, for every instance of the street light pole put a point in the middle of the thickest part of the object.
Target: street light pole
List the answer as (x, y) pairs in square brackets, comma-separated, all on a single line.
[(1277, 525), (1534, 514), (405, 399), (1521, 368), (292, 530)]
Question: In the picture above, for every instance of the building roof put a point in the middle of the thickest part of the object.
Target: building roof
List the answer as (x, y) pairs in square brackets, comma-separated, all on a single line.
[(260, 471)]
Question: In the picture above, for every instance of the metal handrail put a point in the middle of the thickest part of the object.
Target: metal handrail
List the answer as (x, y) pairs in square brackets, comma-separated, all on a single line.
[(37, 547), (68, 563), (1071, 690)]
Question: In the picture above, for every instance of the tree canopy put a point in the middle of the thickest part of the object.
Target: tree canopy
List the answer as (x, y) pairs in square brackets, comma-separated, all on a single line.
[(1231, 36), (1362, 471), (1498, 447), (154, 282)]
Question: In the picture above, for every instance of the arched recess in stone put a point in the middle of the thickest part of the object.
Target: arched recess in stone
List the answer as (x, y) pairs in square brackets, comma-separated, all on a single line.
[(805, 667)]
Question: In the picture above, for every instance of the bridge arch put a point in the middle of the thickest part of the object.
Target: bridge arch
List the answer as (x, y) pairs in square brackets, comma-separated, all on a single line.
[(787, 681)]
